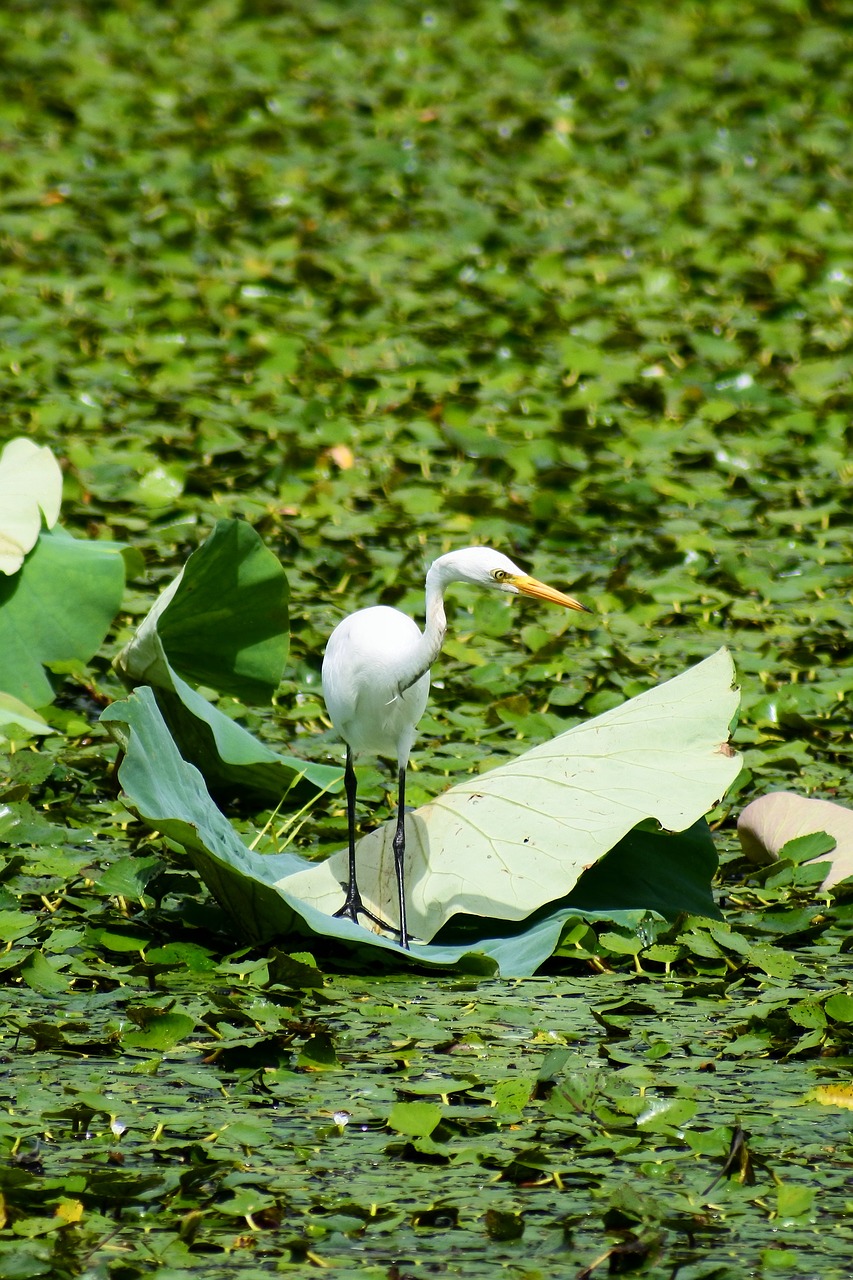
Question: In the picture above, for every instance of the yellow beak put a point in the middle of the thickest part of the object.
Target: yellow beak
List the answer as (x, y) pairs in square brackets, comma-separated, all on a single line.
[(541, 591)]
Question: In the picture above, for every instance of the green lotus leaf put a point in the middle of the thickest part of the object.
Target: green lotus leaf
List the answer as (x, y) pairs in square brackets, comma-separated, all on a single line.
[(222, 622), (57, 609)]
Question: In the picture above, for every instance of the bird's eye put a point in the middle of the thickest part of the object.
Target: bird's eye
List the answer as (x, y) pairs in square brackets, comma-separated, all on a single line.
[(500, 575)]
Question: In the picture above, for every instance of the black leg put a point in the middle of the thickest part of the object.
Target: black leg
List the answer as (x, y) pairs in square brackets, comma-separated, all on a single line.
[(350, 786), (353, 907), (400, 856)]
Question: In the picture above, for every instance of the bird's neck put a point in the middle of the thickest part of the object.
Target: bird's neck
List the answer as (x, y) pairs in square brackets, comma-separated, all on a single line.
[(432, 638)]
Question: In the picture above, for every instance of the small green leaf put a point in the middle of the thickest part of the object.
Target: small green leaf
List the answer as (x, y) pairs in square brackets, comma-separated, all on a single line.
[(415, 1119), (710, 1142), (840, 1007), (16, 924), (318, 1053), (807, 1013), (512, 1096), (41, 975), (666, 1113), (774, 961), (503, 1224), (619, 944), (182, 955), (575, 1093), (129, 877), (802, 848), (779, 1260), (119, 940), (161, 1032), (793, 1200)]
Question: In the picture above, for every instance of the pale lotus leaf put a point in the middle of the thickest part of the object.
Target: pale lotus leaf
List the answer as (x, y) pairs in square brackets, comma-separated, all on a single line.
[(170, 795), (650, 875), (30, 491), (16, 715), (506, 842), (767, 824)]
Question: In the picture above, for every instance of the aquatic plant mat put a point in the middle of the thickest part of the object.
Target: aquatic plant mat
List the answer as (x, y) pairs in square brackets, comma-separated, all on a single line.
[(195, 1114), (352, 285)]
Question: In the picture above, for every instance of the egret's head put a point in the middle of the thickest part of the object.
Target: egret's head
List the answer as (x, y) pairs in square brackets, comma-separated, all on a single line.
[(488, 568)]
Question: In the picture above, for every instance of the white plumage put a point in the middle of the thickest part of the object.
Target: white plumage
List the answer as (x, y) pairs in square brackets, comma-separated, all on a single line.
[(376, 684), (360, 683)]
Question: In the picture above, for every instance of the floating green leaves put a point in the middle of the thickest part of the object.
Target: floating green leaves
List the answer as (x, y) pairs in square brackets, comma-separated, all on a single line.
[(381, 280)]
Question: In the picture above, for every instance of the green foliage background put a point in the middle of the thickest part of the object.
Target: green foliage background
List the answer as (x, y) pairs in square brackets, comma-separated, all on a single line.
[(383, 280)]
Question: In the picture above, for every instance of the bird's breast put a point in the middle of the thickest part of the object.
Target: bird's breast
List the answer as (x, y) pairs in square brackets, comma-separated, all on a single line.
[(367, 658)]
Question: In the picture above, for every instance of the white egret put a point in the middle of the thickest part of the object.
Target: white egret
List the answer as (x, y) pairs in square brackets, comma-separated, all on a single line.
[(376, 682)]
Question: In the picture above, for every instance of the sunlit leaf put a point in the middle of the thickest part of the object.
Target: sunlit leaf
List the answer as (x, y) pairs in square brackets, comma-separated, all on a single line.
[(30, 492), (14, 714), (769, 823), (840, 1007), (161, 1033), (834, 1095), (265, 894), (222, 622), (415, 1119), (666, 1113), (793, 1199), (171, 796), (41, 974), (16, 924), (508, 841)]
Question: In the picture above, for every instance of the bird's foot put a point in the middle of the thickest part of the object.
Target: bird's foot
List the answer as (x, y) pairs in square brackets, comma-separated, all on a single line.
[(353, 907)]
